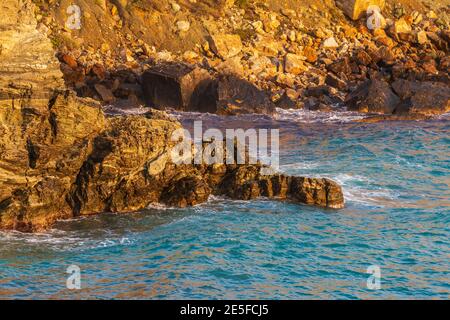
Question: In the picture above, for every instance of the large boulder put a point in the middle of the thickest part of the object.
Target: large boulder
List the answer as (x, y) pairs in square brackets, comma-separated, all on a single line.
[(373, 96), (425, 98), (356, 9), (226, 46), (234, 95), (172, 85)]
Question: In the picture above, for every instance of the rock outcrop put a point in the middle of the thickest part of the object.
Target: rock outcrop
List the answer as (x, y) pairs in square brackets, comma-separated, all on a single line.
[(69, 160)]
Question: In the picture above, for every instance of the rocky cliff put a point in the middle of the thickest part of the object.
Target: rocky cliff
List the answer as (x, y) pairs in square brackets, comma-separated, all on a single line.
[(61, 157)]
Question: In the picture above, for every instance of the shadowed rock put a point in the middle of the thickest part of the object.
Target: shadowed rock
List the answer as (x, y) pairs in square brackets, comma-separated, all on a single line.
[(230, 95), (423, 98), (171, 85), (373, 96)]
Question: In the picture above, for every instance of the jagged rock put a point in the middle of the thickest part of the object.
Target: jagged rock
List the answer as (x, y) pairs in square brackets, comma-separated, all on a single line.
[(402, 26), (363, 58), (285, 102), (188, 191), (27, 58), (69, 160), (105, 93), (230, 95), (422, 37), (294, 64), (356, 9), (172, 85), (226, 45), (335, 82), (246, 183), (425, 98), (342, 66), (373, 96)]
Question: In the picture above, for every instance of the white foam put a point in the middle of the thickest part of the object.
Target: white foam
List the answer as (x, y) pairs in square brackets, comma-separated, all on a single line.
[(363, 194), (307, 116), (113, 110)]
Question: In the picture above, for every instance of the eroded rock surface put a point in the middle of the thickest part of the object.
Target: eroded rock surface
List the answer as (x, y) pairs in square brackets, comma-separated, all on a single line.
[(27, 58), (68, 160)]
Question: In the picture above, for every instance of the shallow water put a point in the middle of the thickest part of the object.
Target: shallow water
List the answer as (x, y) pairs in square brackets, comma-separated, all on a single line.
[(396, 179)]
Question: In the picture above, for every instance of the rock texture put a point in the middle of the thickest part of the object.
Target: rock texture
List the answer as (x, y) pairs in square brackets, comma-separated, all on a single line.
[(374, 96), (174, 85), (69, 160), (27, 58), (356, 9), (60, 157), (185, 88), (424, 98), (283, 48)]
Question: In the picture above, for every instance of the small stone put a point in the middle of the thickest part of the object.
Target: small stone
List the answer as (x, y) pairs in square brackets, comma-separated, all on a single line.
[(310, 54), (231, 66), (402, 26), (258, 26), (330, 43), (190, 55), (292, 36), (70, 61), (432, 15), (105, 93), (183, 25), (175, 7), (417, 17), (430, 67), (363, 58), (422, 37)]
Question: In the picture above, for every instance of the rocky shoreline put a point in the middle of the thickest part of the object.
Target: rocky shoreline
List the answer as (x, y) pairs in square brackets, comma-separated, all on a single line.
[(61, 157), (327, 56)]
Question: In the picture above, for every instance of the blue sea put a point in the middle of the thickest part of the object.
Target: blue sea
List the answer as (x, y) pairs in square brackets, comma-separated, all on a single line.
[(396, 180)]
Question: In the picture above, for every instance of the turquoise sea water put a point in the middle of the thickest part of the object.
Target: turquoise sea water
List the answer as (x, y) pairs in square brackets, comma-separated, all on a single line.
[(396, 179)]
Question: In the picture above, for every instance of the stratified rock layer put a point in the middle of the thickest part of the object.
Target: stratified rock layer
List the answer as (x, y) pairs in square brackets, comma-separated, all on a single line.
[(27, 59)]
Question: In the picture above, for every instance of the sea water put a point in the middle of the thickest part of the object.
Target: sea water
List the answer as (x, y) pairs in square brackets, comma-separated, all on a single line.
[(396, 181)]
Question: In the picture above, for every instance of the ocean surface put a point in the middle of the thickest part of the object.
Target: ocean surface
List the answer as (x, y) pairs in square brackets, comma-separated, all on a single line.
[(396, 179)]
